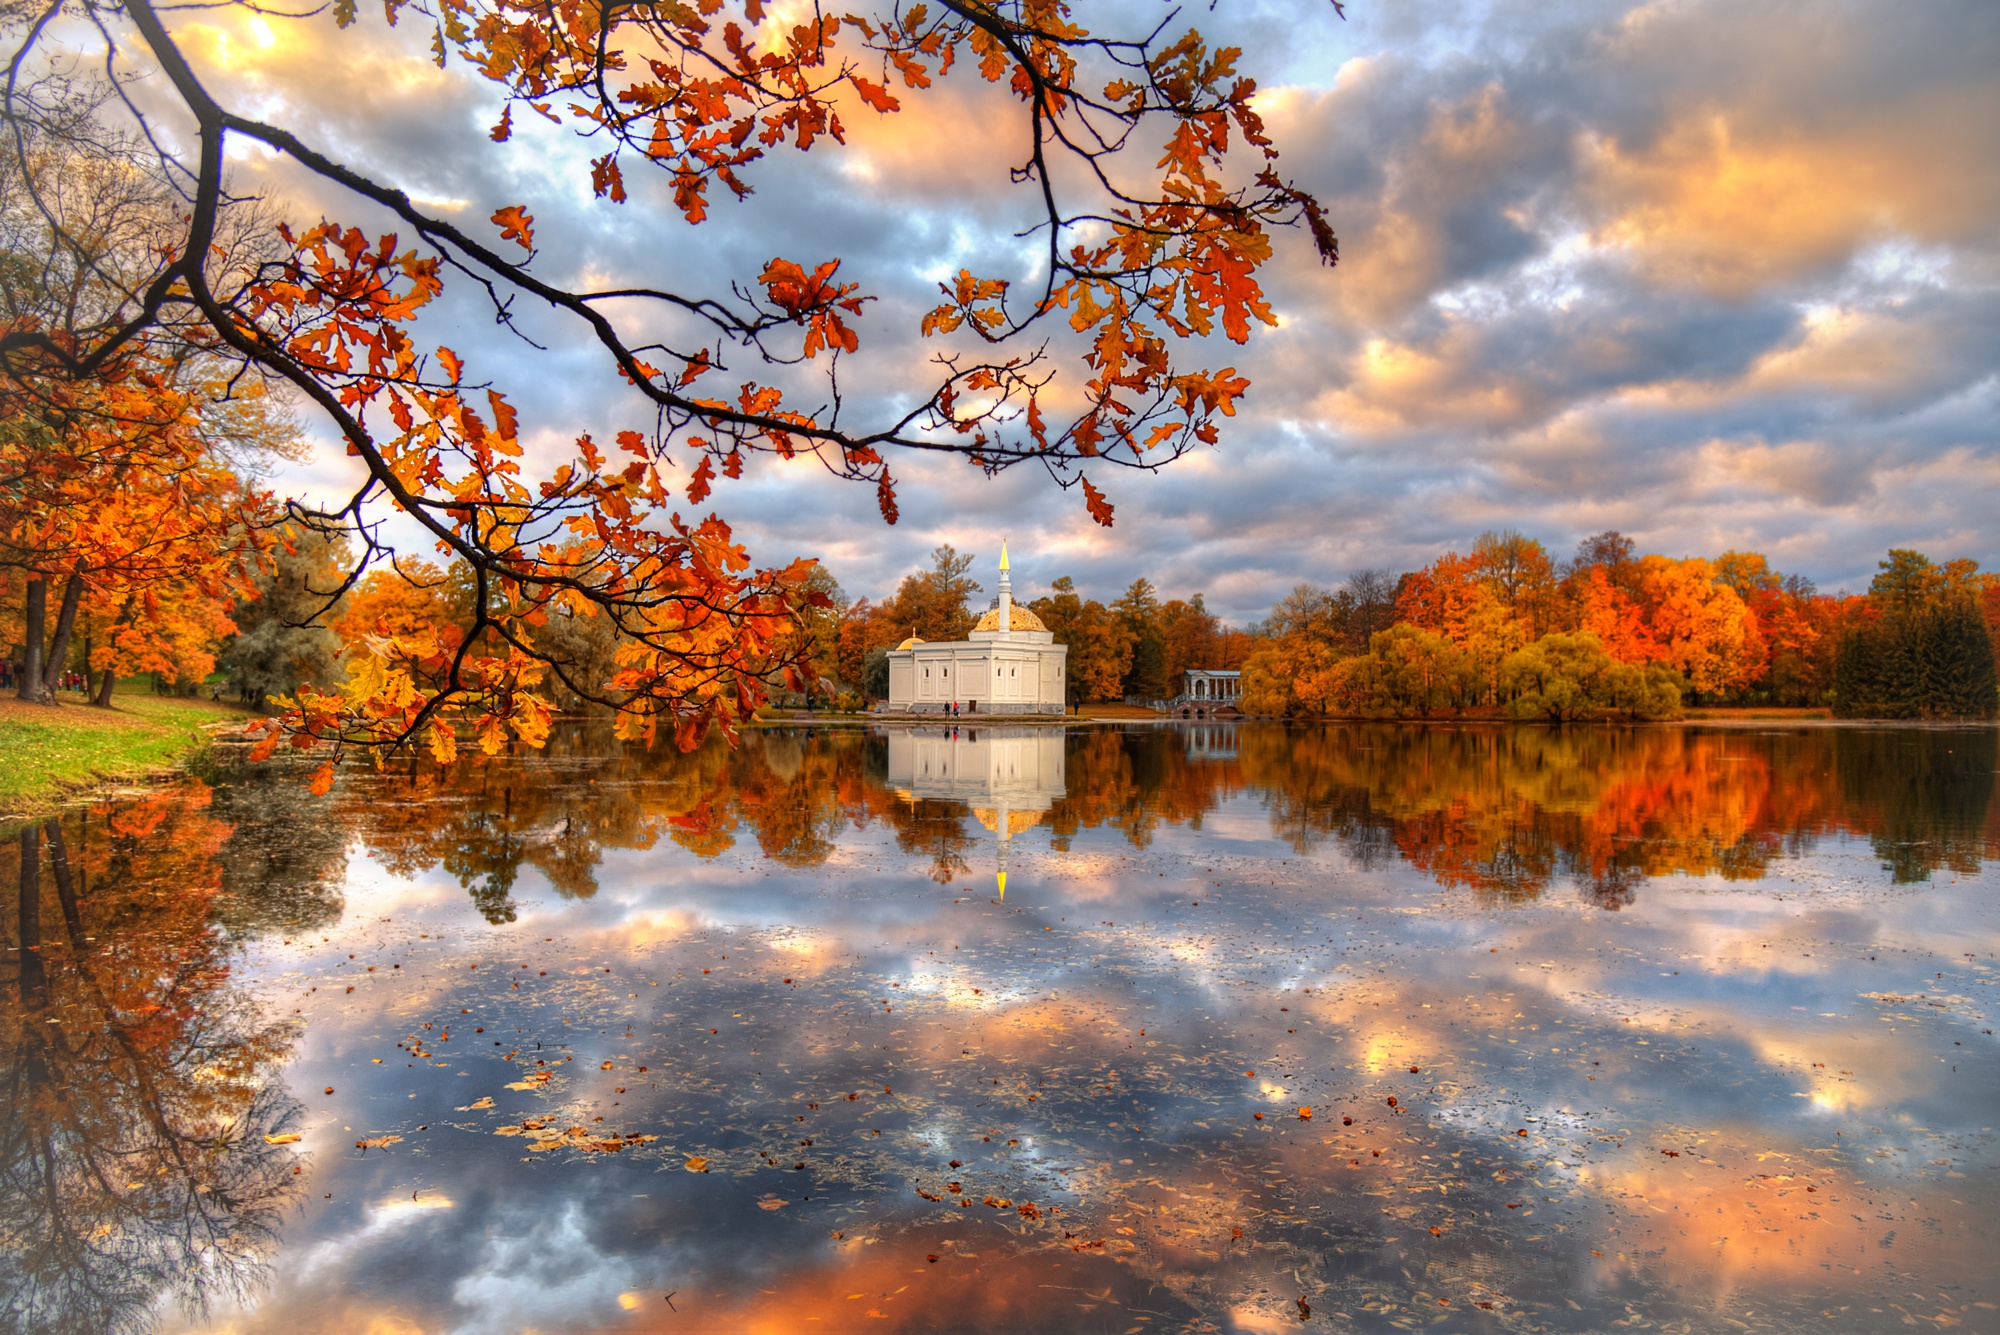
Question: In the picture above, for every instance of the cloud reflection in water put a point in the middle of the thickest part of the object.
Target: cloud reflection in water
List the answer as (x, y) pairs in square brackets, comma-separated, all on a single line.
[(1758, 1086)]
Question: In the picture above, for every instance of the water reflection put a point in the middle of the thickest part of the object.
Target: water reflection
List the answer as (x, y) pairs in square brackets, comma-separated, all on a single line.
[(1007, 777), (1274, 1029), (137, 1084), (1509, 812)]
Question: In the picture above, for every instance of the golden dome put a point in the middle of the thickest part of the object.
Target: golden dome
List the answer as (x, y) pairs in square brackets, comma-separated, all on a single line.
[(910, 643), (1018, 822), (1021, 619)]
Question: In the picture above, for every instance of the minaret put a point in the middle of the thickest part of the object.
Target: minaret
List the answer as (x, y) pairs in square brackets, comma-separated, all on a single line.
[(1006, 592), (1006, 828)]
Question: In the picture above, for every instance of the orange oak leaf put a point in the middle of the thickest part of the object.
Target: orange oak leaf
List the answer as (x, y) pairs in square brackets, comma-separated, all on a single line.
[(1093, 500), (515, 225)]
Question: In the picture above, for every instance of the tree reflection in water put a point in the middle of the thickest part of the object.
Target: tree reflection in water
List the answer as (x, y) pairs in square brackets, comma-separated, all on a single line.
[(137, 1082), (139, 1079), (1508, 812)]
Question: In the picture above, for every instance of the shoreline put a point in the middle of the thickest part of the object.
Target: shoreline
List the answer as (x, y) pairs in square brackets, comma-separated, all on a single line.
[(77, 753), (1708, 718), (62, 754)]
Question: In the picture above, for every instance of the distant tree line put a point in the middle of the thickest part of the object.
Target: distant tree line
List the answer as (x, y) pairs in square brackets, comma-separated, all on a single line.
[(1508, 629), (1504, 629)]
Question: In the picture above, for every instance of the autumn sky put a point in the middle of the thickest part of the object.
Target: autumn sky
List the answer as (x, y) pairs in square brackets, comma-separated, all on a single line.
[(1712, 274)]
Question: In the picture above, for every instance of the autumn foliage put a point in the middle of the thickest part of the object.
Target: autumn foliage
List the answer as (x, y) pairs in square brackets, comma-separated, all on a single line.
[(1607, 633), (1159, 197)]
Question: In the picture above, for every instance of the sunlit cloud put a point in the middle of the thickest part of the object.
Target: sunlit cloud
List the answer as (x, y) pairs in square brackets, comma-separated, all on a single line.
[(1661, 267)]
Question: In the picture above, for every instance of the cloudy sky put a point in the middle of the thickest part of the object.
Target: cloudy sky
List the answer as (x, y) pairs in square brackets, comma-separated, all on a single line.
[(1715, 275)]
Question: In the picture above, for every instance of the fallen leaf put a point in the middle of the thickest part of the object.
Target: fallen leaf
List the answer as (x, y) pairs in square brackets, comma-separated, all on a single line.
[(697, 1164), (283, 1138)]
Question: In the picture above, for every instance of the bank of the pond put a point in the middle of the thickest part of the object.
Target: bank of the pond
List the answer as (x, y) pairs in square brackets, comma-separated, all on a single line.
[(48, 752)]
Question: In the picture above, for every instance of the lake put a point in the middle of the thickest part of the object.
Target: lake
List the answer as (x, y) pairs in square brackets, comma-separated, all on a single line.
[(1153, 1028)]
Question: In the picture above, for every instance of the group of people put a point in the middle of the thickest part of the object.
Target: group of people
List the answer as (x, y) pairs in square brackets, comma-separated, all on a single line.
[(12, 674)]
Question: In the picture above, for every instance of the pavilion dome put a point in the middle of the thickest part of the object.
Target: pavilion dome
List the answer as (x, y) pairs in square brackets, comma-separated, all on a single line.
[(910, 643), (1021, 619)]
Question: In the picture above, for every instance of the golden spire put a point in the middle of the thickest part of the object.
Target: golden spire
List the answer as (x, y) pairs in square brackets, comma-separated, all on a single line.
[(1006, 593)]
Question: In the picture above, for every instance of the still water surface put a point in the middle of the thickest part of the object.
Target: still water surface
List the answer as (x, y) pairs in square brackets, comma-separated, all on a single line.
[(1344, 1028)]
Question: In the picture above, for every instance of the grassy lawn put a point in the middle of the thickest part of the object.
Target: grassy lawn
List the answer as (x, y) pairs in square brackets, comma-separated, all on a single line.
[(49, 749)]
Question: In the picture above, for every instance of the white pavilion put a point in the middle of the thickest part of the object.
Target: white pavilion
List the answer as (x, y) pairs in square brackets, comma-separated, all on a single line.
[(1009, 664)]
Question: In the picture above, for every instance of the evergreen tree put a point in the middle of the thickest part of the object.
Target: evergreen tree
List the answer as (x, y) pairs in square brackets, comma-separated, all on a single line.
[(1957, 663), (1139, 612), (1921, 651)]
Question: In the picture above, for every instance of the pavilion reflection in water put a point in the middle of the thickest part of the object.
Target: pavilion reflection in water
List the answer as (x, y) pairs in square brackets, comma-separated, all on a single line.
[(1210, 741), (1010, 777)]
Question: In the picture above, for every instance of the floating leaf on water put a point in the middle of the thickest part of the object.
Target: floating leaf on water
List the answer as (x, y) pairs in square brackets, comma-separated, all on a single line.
[(483, 1102), (697, 1164), (772, 1203), (283, 1138)]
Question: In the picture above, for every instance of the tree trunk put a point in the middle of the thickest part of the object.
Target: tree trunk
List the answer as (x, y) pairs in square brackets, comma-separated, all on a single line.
[(30, 908), (103, 700), (37, 614), (65, 885), (65, 628)]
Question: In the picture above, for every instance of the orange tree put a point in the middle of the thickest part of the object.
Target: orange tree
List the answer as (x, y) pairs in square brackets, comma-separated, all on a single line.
[(1151, 232), (117, 485), (117, 497)]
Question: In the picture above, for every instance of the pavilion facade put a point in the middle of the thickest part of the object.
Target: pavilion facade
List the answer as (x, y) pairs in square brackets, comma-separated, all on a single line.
[(1211, 686), (1009, 664)]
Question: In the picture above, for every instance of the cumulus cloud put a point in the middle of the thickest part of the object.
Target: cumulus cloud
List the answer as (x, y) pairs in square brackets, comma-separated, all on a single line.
[(1715, 275)]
